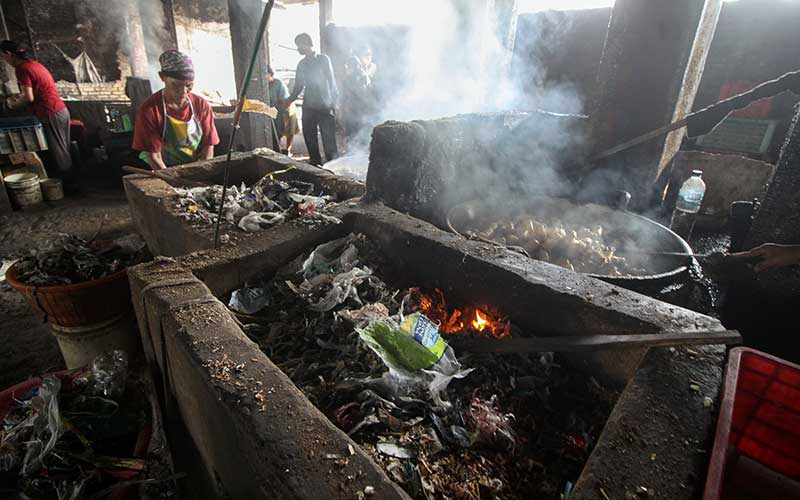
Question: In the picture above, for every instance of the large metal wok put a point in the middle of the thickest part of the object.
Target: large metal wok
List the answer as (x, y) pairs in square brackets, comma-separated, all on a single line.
[(644, 235)]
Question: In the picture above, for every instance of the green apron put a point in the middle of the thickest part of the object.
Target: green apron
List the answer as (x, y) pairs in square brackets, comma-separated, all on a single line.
[(180, 139)]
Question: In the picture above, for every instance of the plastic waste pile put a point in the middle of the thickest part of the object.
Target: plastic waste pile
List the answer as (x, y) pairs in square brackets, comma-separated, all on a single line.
[(265, 204), (365, 354), (68, 259), (73, 436)]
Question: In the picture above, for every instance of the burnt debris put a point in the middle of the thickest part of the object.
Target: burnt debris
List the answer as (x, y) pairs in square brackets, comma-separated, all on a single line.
[(68, 259), (519, 426)]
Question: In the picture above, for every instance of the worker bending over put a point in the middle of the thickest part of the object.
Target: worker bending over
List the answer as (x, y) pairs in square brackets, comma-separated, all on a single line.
[(175, 126)]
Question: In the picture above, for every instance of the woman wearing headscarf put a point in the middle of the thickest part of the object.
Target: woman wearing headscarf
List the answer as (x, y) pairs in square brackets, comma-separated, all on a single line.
[(38, 90), (175, 126)]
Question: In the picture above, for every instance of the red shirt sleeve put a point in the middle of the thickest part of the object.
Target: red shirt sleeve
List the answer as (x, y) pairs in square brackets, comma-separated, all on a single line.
[(149, 127), (24, 76), (205, 115)]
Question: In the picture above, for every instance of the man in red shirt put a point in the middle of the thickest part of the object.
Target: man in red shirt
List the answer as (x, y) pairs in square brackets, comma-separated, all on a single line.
[(38, 90), (173, 125)]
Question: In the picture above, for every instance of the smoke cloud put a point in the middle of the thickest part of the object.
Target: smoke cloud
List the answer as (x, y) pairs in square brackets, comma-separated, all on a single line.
[(130, 23), (459, 62)]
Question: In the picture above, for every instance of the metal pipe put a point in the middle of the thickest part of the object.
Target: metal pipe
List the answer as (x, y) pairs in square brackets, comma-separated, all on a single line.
[(5, 26), (30, 30), (237, 116)]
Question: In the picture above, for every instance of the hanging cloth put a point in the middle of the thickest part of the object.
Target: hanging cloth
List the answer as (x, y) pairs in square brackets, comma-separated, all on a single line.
[(83, 67)]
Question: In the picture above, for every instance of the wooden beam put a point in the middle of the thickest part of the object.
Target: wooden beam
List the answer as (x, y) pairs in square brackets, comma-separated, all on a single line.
[(588, 343), (325, 17)]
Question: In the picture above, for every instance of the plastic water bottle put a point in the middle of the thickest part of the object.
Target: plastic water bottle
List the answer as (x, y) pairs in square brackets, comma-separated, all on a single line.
[(690, 198)]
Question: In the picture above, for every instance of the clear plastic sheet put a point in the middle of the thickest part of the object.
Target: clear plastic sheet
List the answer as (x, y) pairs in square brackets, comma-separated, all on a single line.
[(108, 375), (45, 422), (249, 300)]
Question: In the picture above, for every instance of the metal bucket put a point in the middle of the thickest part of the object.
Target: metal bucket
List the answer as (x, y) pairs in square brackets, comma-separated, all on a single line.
[(81, 344), (23, 189), (52, 189)]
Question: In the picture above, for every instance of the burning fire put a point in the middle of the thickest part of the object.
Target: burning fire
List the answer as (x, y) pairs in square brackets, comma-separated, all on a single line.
[(479, 323), (477, 319)]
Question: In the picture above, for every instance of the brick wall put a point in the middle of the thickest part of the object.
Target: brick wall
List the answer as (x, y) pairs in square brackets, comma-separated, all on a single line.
[(106, 91)]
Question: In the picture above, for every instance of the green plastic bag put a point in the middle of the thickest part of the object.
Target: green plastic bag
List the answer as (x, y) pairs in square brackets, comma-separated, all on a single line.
[(399, 347)]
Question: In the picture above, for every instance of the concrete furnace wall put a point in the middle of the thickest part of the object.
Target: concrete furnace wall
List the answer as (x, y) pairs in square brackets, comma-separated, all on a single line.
[(424, 168), (254, 444), (168, 233), (249, 432)]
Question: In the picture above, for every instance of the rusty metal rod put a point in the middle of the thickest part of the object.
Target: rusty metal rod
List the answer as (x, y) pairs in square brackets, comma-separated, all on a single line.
[(237, 116)]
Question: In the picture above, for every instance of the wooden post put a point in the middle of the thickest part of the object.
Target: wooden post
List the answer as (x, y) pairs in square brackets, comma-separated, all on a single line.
[(652, 52), (244, 17), (137, 51), (325, 17)]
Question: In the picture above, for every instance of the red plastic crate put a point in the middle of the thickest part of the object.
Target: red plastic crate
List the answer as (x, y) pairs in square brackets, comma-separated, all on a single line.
[(757, 443)]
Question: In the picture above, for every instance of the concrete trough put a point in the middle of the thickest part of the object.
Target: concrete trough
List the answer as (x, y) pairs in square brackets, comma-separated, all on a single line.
[(244, 430), (168, 233)]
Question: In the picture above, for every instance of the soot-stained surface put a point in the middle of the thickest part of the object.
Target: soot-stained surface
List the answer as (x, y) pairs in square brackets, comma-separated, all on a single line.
[(660, 460)]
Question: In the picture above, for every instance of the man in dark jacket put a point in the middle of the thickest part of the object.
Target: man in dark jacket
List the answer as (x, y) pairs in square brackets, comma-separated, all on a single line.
[(315, 76)]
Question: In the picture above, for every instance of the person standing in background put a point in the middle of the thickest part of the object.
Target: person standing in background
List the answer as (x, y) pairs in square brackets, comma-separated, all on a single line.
[(315, 76), (360, 104), (286, 122), (38, 90)]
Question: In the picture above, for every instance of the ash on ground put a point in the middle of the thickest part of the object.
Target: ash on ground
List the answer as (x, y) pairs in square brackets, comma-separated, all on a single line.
[(512, 427)]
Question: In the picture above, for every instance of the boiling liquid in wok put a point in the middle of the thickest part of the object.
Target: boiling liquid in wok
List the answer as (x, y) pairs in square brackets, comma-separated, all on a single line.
[(585, 249)]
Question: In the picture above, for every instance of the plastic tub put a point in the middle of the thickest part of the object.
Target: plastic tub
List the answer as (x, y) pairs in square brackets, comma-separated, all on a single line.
[(23, 189), (81, 344), (757, 445), (52, 189)]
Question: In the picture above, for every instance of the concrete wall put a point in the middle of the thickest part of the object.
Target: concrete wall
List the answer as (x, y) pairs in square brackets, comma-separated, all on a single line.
[(560, 48), (243, 430), (728, 178), (754, 42), (166, 231), (249, 443), (426, 167)]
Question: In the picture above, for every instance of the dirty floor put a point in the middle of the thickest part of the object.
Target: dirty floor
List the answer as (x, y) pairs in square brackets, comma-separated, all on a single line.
[(26, 346)]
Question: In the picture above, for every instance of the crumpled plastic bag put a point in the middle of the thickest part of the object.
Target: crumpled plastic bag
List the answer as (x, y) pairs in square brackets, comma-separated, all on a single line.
[(46, 423), (249, 300), (132, 243), (107, 376), (342, 287), (411, 364), (72, 490), (334, 257), (258, 221), (363, 316), (310, 201)]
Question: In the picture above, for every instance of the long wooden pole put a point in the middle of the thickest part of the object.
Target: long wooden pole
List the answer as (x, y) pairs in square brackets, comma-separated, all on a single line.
[(237, 116), (587, 343)]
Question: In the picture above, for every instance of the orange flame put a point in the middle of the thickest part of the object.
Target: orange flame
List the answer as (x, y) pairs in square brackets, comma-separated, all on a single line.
[(458, 321), (479, 323)]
